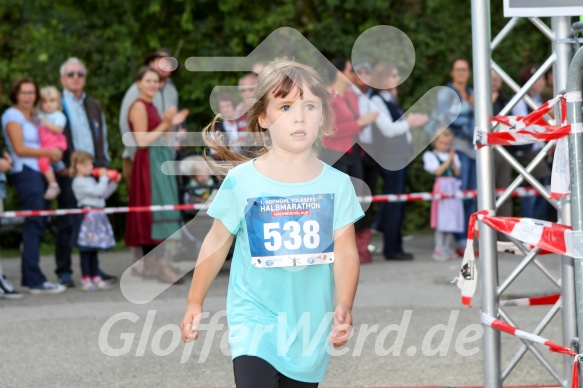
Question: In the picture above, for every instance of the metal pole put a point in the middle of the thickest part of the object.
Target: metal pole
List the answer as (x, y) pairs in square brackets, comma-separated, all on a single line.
[(562, 29), (522, 92), (486, 199), (576, 161), (504, 32)]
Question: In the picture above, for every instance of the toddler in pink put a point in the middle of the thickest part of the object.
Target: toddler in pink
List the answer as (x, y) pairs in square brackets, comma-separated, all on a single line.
[(50, 130)]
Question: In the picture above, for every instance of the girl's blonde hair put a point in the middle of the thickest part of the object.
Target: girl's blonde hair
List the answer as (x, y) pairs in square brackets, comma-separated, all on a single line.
[(76, 158), (49, 93), (278, 79), (445, 132)]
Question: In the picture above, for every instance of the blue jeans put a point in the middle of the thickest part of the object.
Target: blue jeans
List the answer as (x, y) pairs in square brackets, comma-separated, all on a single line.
[(30, 187), (468, 176), (391, 214), (63, 236)]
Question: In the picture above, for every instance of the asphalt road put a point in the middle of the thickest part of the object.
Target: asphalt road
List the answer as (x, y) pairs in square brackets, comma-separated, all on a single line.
[(100, 339)]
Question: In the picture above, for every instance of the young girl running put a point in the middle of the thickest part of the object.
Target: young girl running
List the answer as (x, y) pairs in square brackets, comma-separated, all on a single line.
[(295, 267), (446, 214), (93, 231)]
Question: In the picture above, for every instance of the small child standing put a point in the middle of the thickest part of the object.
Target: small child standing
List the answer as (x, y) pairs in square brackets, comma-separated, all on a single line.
[(92, 231), (201, 181), (446, 214), (52, 124)]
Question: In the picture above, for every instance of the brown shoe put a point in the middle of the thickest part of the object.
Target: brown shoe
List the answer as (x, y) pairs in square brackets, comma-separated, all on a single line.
[(166, 274)]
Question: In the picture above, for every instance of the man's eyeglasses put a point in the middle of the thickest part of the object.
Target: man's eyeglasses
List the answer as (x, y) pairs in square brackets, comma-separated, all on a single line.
[(79, 74)]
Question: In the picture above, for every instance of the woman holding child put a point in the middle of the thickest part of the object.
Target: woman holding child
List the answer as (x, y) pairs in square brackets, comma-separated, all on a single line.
[(20, 128)]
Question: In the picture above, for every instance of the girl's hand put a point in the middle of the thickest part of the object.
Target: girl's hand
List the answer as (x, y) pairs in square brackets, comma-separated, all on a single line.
[(102, 172), (451, 154), (191, 322), (342, 327)]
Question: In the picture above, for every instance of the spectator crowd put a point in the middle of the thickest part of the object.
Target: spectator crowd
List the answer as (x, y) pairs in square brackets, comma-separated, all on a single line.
[(57, 148)]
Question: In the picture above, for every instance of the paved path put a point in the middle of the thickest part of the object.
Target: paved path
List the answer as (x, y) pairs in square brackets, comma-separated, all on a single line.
[(60, 340)]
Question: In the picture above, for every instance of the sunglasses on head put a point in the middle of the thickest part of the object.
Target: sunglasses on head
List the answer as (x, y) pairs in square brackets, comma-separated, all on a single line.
[(79, 74)]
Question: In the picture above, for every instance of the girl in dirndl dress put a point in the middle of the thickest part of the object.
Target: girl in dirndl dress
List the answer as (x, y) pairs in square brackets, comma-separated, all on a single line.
[(447, 215), (92, 231)]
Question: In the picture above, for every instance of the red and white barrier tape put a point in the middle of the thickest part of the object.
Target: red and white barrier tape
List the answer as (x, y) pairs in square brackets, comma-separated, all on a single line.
[(549, 236), (509, 247), (534, 301), (553, 347), (524, 129), (109, 210), (533, 128), (412, 197)]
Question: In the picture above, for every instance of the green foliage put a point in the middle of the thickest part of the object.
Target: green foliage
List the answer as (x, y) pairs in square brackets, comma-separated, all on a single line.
[(112, 38)]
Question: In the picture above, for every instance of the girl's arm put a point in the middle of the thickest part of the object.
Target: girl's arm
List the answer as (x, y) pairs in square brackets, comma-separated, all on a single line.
[(14, 131), (88, 188), (139, 119), (211, 258), (430, 162), (111, 186), (455, 165), (53, 127), (346, 272), (442, 167), (384, 120)]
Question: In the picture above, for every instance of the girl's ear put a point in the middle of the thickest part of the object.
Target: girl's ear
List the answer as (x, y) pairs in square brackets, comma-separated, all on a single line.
[(262, 121)]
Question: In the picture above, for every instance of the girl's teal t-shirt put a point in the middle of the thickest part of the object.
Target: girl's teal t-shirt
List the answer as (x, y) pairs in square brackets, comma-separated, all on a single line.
[(280, 302)]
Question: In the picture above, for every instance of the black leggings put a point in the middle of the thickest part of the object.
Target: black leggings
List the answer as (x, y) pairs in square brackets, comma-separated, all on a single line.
[(89, 263), (255, 372)]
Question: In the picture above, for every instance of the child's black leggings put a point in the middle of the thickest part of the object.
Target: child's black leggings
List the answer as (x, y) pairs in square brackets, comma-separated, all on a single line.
[(255, 372), (89, 263)]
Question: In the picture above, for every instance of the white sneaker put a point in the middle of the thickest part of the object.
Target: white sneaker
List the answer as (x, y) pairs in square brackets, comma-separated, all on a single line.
[(450, 253), (7, 291), (87, 285), (101, 284), (48, 288), (440, 254)]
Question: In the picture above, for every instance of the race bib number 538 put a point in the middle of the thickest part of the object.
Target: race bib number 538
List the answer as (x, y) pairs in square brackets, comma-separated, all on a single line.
[(291, 231)]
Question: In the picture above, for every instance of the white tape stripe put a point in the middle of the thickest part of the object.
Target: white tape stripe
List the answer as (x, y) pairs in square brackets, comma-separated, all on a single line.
[(487, 320), (530, 337), (573, 96), (576, 128), (515, 302)]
